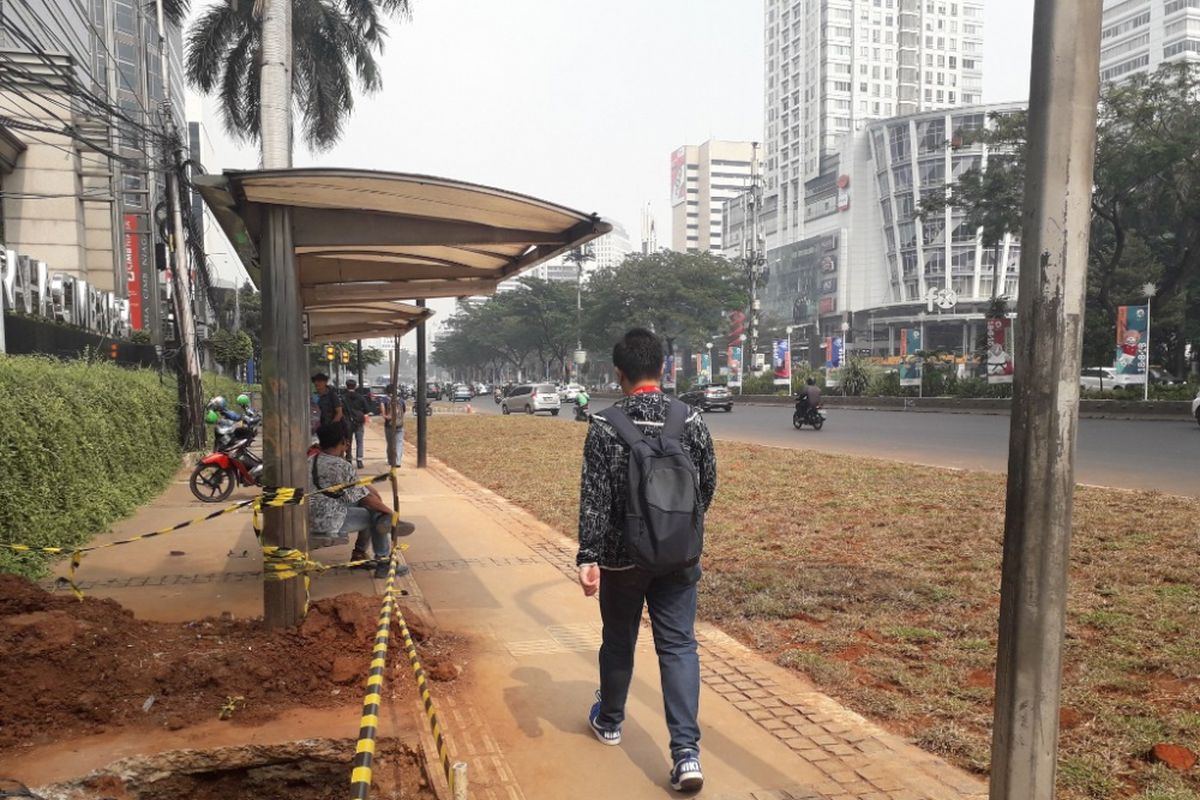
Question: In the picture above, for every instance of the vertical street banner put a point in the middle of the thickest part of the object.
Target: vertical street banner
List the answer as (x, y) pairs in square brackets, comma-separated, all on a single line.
[(735, 366), (834, 352), (910, 362), (706, 371), (999, 350), (782, 361), (669, 372), (1132, 327), (133, 272)]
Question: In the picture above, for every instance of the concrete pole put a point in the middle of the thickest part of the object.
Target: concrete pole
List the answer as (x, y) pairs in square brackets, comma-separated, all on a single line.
[(422, 394), (285, 382), (192, 412), (1064, 93)]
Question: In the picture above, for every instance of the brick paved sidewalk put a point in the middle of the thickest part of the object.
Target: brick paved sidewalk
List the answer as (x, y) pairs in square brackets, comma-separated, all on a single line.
[(491, 571)]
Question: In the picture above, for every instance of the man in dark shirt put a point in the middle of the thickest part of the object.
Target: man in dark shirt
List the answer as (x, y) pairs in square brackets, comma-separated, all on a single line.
[(356, 416), (606, 567), (329, 402)]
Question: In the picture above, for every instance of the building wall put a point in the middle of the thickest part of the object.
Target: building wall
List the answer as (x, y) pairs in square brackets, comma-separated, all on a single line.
[(1138, 36), (703, 178)]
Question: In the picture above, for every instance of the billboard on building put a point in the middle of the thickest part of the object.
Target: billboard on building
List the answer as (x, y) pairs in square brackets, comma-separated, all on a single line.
[(999, 350), (679, 176), (1132, 327), (782, 362)]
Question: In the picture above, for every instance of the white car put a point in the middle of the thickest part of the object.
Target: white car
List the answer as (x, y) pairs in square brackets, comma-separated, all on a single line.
[(1196, 408), (532, 398), (1107, 378), (569, 392)]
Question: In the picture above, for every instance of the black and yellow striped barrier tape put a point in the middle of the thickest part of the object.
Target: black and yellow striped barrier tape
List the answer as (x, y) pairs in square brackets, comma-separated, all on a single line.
[(435, 727), (364, 751)]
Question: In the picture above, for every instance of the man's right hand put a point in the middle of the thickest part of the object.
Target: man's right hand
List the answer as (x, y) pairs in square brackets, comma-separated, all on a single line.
[(589, 579)]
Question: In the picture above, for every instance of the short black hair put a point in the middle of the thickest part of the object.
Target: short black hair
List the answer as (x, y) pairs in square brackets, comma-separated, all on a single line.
[(331, 434), (391, 387), (639, 355), (320, 376), (811, 381), (350, 384)]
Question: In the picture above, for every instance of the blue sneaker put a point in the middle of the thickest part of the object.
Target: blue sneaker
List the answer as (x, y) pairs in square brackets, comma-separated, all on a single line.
[(686, 775), (608, 736)]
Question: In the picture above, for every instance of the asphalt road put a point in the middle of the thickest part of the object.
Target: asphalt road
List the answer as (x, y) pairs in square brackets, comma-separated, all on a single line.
[(1151, 454)]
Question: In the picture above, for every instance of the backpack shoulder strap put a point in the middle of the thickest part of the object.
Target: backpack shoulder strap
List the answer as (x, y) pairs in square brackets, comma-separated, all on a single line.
[(677, 417), (623, 425)]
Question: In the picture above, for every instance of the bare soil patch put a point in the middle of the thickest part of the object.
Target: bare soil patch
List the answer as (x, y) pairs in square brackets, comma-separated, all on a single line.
[(73, 668), (880, 581)]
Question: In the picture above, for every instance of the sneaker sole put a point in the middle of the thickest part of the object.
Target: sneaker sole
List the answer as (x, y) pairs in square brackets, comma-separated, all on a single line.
[(689, 782), (600, 736)]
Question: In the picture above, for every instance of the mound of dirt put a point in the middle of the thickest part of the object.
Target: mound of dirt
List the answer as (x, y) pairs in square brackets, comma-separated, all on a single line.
[(72, 668)]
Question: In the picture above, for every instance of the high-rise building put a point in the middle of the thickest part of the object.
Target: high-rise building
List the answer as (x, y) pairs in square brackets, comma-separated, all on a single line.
[(1140, 35), (703, 177), (833, 65)]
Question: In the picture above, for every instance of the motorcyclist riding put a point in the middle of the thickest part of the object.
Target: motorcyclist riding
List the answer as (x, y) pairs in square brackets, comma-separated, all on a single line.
[(809, 398), (582, 400)]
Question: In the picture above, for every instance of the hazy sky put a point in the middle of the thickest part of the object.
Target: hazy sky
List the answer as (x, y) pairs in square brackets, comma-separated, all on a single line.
[(581, 103)]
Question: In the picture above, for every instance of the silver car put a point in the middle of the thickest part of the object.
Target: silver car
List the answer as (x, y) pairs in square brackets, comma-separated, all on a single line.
[(531, 398)]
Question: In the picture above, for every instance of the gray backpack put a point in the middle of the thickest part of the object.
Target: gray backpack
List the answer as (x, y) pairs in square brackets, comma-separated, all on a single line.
[(664, 515)]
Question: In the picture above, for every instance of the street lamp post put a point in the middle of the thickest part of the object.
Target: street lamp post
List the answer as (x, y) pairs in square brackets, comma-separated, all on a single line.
[(742, 365), (842, 355), (709, 348), (1149, 290), (578, 257)]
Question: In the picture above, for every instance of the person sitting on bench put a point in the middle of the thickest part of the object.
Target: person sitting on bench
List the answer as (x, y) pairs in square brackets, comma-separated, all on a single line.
[(356, 509)]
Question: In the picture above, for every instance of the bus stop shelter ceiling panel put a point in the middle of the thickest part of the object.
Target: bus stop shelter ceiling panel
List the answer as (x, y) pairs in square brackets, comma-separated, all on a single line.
[(361, 235), (363, 321)]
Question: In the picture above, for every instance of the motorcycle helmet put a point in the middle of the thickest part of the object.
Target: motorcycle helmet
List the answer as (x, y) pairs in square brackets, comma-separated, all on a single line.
[(211, 417), (243, 400), (217, 402)]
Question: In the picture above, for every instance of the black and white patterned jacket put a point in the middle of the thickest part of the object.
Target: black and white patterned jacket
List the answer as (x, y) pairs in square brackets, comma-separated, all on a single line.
[(604, 486)]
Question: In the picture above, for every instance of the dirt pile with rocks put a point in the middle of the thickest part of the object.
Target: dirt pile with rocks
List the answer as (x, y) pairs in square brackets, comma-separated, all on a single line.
[(74, 668)]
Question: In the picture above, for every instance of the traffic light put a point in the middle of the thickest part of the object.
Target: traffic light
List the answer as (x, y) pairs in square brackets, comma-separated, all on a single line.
[(345, 356), (112, 351), (329, 352)]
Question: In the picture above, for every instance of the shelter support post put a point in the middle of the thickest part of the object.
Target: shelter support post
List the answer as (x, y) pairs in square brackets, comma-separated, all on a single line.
[(1037, 533), (286, 433), (422, 394), (393, 410)]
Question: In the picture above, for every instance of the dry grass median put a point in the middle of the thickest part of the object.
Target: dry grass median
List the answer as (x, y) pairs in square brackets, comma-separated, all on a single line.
[(880, 580)]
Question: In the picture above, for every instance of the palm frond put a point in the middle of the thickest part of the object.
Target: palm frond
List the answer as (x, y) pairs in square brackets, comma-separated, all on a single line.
[(176, 11), (208, 45)]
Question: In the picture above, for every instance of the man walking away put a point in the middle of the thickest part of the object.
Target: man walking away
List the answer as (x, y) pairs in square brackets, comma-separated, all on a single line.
[(356, 413), (640, 546), (393, 421), (329, 402)]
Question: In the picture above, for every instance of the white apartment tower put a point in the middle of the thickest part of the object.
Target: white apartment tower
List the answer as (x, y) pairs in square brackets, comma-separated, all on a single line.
[(833, 65), (1140, 35), (703, 177)]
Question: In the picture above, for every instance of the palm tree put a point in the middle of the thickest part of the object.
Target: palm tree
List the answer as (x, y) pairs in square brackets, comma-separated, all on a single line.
[(334, 45)]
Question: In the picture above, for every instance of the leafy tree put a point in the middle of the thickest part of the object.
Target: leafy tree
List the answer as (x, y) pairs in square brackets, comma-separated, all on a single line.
[(680, 296), (334, 47), (231, 349), (549, 306)]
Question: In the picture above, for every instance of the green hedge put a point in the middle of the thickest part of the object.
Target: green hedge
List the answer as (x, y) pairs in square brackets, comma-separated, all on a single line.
[(84, 443)]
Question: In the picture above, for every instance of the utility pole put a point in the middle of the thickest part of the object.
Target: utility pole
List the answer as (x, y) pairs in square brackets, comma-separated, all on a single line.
[(192, 413), (1064, 92), (422, 393), (579, 256), (285, 384), (755, 252)]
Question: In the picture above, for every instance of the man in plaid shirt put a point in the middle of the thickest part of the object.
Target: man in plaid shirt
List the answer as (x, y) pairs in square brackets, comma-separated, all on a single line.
[(605, 566)]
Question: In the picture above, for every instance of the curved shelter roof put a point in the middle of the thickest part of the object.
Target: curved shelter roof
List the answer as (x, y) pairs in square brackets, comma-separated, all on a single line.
[(362, 237)]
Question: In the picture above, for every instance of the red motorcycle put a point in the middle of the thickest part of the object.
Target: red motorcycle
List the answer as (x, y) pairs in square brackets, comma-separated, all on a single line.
[(231, 464)]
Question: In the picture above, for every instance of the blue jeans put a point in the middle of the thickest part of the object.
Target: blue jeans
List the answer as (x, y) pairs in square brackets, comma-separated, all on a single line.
[(399, 437), (359, 433), (672, 603), (366, 523)]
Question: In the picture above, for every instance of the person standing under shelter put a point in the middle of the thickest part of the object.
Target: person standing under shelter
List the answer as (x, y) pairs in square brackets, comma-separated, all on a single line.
[(615, 524), (329, 401), (356, 416), (393, 421)]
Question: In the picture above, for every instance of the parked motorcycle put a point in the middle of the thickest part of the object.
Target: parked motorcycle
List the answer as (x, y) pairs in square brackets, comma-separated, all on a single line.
[(231, 464), (809, 415)]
